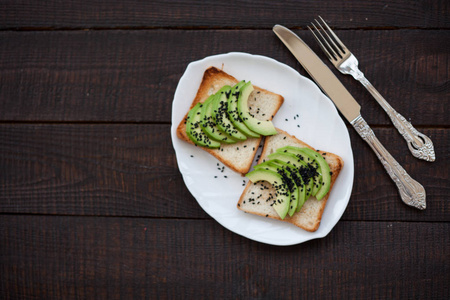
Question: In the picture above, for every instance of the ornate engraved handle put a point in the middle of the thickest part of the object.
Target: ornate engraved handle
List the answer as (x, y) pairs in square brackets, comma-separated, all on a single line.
[(419, 144), (411, 192)]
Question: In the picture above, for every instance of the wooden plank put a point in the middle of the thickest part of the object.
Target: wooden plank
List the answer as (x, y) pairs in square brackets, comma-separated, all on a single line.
[(109, 258), (131, 170), (52, 14), (131, 76), (93, 170)]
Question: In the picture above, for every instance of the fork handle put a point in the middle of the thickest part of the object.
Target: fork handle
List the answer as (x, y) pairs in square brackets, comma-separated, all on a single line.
[(411, 192), (419, 144)]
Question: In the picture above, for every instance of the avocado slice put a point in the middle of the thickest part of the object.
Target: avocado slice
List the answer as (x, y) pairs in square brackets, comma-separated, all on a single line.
[(283, 196), (287, 173), (194, 130), (209, 126), (296, 185), (262, 127), (220, 114), (324, 171), (233, 112), (311, 162), (302, 169)]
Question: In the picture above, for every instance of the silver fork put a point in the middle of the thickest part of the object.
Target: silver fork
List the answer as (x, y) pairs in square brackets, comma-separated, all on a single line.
[(419, 144)]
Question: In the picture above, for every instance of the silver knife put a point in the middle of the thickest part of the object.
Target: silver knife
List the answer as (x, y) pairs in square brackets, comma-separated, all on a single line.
[(411, 192)]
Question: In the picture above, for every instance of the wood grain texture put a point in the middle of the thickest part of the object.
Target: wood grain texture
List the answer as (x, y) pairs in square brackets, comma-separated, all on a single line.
[(131, 76), (54, 14), (131, 170), (112, 258), (93, 206), (92, 170)]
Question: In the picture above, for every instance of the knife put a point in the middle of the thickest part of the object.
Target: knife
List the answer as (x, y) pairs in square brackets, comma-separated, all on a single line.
[(411, 192)]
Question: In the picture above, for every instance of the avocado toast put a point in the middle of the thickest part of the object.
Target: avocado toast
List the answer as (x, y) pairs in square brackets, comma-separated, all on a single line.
[(258, 197), (234, 150)]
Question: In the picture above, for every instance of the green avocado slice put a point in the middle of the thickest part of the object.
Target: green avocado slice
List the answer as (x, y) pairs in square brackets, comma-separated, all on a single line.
[(283, 196), (262, 127), (289, 175), (311, 161), (209, 126), (233, 112), (324, 171), (194, 130), (302, 169), (220, 114)]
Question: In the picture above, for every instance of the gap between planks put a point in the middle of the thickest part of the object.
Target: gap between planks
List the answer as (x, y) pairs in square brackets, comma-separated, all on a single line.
[(192, 219)]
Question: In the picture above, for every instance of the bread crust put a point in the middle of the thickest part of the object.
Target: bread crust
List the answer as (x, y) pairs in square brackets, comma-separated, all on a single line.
[(213, 80), (310, 215)]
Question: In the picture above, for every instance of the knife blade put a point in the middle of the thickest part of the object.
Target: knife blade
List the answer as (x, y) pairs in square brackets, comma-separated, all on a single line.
[(411, 192), (321, 74)]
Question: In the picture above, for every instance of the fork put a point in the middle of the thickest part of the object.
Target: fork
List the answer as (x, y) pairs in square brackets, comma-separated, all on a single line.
[(419, 144)]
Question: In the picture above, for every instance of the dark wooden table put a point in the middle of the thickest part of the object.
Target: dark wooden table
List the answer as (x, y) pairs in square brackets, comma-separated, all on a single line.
[(93, 205)]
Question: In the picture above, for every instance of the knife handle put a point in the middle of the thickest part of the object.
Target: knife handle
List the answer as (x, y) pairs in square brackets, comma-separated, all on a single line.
[(411, 192)]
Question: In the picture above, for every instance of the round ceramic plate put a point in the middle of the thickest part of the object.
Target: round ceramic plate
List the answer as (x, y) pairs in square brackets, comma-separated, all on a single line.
[(306, 113)]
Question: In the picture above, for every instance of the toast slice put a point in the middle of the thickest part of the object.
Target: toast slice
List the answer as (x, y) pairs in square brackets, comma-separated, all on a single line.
[(309, 217), (238, 156)]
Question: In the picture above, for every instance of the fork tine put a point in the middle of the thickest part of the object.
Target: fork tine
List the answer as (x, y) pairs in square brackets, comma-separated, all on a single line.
[(340, 52), (341, 44), (324, 49), (330, 48)]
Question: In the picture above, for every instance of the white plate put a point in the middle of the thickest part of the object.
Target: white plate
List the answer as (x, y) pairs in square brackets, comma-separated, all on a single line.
[(320, 127)]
